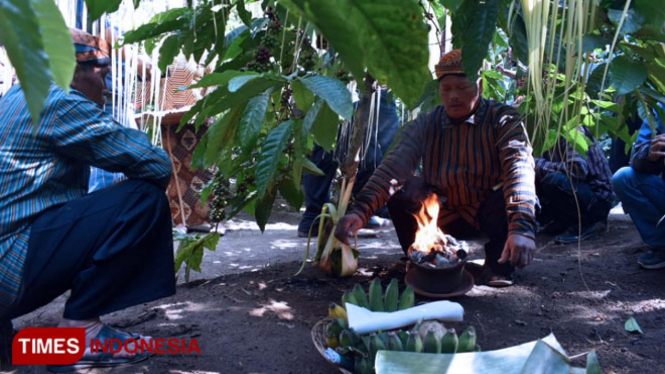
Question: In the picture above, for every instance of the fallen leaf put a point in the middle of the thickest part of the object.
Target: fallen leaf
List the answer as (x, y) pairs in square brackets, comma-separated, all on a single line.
[(632, 326)]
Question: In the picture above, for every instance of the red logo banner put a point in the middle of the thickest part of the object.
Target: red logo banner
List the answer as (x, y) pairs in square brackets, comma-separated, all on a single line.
[(48, 346)]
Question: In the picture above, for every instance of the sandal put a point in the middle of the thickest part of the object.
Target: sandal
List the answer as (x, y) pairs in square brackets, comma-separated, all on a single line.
[(103, 359)]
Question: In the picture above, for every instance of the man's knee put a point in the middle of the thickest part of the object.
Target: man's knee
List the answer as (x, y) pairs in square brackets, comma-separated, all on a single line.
[(555, 183), (623, 180)]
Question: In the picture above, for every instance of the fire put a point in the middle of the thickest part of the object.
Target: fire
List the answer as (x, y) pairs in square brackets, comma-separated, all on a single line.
[(429, 236)]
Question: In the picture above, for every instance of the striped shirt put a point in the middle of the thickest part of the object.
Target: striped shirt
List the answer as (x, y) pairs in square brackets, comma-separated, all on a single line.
[(52, 166), (593, 169), (464, 162)]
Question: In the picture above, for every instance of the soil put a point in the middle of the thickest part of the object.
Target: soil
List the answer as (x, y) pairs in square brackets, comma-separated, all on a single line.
[(250, 314)]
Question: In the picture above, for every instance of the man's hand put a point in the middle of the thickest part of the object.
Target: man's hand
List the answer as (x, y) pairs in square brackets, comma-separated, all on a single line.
[(347, 227), (657, 148), (519, 250)]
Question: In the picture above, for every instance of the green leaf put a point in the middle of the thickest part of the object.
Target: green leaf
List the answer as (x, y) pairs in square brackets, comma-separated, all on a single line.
[(325, 128), (221, 134), (217, 79), (304, 98), (168, 21), (333, 91), (272, 150), (631, 22), (98, 7), (251, 121), (627, 74), (632, 326), (190, 250), (291, 193), (519, 40), (478, 35), (310, 117), (311, 167), (592, 364), (264, 207), (591, 42), (236, 83), (388, 37), (221, 99), (167, 52), (244, 15), (19, 33), (57, 40), (451, 5)]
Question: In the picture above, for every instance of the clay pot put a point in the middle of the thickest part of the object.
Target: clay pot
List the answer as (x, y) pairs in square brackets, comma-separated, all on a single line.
[(442, 280)]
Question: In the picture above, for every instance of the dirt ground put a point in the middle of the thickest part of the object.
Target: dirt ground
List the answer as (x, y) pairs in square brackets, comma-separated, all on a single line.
[(250, 314)]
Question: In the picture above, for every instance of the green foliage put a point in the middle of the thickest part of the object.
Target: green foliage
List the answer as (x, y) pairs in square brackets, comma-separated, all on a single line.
[(57, 42), (190, 250), (23, 37), (389, 38), (98, 7), (627, 75), (271, 152), (475, 29)]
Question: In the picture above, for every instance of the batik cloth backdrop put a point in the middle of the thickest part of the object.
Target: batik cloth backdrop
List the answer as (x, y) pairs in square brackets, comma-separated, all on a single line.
[(168, 106)]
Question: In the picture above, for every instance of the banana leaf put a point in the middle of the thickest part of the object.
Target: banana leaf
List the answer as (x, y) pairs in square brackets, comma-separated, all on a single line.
[(544, 356)]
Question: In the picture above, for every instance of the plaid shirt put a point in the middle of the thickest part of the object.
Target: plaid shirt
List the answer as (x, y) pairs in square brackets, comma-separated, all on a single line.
[(52, 166), (593, 169), (465, 162)]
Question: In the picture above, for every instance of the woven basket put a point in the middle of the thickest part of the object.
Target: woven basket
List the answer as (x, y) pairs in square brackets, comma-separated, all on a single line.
[(319, 340)]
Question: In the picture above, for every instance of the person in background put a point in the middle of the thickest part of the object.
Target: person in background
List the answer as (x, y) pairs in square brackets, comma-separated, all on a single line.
[(317, 188), (476, 156), (573, 190), (641, 190), (112, 248)]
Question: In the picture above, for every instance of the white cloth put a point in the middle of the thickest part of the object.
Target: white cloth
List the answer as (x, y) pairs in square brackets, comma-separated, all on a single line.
[(362, 320)]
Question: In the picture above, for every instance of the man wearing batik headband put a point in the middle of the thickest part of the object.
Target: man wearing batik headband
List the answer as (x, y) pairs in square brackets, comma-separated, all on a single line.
[(111, 249), (476, 156)]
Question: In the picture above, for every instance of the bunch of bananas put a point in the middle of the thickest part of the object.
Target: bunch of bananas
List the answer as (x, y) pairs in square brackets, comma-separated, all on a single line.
[(357, 352)]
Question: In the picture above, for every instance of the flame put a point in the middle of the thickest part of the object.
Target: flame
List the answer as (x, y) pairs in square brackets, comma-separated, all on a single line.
[(428, 234)]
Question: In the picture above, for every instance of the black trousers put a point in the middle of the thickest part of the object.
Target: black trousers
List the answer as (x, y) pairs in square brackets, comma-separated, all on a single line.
[(559, 200), (112, 249), (492, 219)]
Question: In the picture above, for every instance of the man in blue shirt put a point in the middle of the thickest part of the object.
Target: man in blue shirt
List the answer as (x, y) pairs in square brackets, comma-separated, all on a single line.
[(111, 249), (641, 189)]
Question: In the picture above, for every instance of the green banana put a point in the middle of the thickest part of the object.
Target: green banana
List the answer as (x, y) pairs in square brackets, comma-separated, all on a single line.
[(376, 295), (403, 336), (432, 344), (336, 326), (467, 341), (414, 343), (408, 298), (345, 298), (391, 297), (376, 344), (360, 296), (363, 365), (365, 339), (346, 338), (449, 342), (394, 342)]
